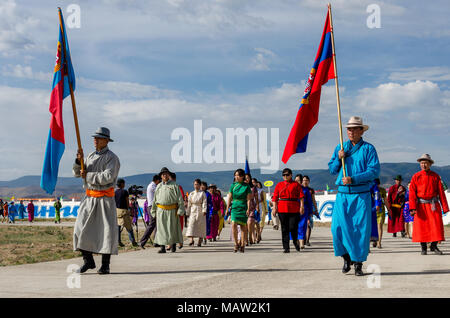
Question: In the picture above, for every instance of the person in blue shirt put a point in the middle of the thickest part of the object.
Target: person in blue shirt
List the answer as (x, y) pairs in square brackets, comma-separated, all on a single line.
[(21, 210), (308, 205), (209, 208), (376, 206), (12, 212), (351, 223)]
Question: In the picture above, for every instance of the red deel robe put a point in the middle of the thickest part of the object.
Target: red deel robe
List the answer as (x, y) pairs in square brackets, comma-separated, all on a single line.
[(395, 222), (428, 225)]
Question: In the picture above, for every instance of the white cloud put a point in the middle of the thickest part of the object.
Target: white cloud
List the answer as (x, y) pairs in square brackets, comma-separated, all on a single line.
[(25, 72), (15, 28), (394, 96), (435, 73), (262, 60)]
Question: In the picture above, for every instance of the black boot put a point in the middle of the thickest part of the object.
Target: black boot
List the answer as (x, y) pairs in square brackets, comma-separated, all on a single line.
[(297, 245), (89, 262), (358, 269), (163, 249), (424, 248), (120, 233), (347, 263), (105, 264), (434, 248), (173, 248)]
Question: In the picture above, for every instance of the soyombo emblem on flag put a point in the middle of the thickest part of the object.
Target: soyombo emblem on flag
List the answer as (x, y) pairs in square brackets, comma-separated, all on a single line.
[(63, 75), (308, 112)]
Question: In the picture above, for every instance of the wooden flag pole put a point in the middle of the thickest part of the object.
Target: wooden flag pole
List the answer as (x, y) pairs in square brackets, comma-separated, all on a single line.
[(337, 88), (72, 96)]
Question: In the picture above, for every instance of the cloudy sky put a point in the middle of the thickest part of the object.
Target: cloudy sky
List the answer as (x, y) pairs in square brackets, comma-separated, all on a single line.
[(146, 68)]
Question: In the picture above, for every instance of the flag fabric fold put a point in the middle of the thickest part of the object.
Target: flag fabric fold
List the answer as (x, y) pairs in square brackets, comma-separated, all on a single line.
[(308, 112), (63, 74), (247, 167)]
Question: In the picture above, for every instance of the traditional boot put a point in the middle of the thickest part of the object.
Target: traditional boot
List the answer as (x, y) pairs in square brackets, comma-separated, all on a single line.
[(358, 269), (435, 249), (347, 263), (297, 246), (89, 262), (424, 248), (162, 249), (105, 264), (120, 241), (173, 248)]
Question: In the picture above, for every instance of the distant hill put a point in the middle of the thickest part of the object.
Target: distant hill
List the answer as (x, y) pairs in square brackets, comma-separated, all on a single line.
[(28, 186)]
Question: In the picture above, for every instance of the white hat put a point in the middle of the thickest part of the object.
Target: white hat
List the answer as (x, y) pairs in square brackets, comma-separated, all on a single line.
[(355, 121), (425, 156)]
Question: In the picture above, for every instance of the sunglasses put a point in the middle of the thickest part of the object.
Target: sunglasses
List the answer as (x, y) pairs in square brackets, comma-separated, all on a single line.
[(286, 174)]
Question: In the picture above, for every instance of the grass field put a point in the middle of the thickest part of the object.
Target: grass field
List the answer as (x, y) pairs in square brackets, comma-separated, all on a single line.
[(33, 244)]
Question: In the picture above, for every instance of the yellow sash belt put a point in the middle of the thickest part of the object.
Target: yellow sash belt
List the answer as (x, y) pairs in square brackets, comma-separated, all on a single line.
[(167, 207), (396, 205), (100, 193)]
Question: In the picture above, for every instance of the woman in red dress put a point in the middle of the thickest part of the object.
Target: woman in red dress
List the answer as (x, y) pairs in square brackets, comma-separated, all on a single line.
[(427, 201)]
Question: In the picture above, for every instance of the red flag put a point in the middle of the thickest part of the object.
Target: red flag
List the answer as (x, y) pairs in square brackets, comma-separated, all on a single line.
[(308, 113)]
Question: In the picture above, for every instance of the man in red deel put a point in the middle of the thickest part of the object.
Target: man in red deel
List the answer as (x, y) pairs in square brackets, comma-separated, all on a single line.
[(288, 203), (425, 193)]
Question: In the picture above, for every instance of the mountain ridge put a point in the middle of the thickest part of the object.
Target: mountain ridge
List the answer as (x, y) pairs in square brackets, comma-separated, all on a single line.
[(29, 186)]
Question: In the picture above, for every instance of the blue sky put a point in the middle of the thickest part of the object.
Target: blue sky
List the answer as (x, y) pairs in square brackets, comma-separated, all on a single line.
[(145, 68)]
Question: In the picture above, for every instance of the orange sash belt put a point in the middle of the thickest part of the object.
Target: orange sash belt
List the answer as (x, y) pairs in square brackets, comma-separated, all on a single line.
[(100, 193)]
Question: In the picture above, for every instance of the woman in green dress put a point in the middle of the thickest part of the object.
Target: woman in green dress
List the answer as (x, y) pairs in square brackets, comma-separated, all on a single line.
[(239, 198)]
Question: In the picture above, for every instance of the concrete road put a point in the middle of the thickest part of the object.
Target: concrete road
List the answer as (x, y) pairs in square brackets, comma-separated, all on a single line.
[(262, 271)]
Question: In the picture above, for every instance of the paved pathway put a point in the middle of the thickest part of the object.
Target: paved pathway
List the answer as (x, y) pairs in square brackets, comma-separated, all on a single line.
[(262, 271)]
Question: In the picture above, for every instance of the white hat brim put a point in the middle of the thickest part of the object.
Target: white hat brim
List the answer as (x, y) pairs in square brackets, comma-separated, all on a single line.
[(421, 159), (365, 127)]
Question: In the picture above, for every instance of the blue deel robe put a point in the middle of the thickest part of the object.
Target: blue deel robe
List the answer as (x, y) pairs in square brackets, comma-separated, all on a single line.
[(352, 213), (209, 211), (303, 223), (21, 211), (376, 202), (12, 210)]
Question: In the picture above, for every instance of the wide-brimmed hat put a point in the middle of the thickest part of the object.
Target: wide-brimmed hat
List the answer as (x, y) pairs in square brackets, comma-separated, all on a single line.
[(355, 121), (398, 177), (425, 156), (102, 132), (164, 170)]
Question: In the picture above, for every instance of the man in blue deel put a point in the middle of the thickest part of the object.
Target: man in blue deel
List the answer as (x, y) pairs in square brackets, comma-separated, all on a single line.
[(351, 222)]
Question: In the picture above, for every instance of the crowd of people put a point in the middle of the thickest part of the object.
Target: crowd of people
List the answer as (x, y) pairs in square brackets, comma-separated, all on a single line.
[(9, 211), (358, 213)]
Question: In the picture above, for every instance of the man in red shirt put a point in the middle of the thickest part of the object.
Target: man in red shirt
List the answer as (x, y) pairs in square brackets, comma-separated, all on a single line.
[(425, 192), (288, 203)]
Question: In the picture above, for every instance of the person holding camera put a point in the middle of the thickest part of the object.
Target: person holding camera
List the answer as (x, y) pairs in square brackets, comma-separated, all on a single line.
[(152, 220), (123, 216), (95, 229)]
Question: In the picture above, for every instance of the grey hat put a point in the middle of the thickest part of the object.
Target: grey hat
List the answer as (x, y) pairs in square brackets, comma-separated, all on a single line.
[(355, 121), (102, 132), (425, 156), (164, 170)]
